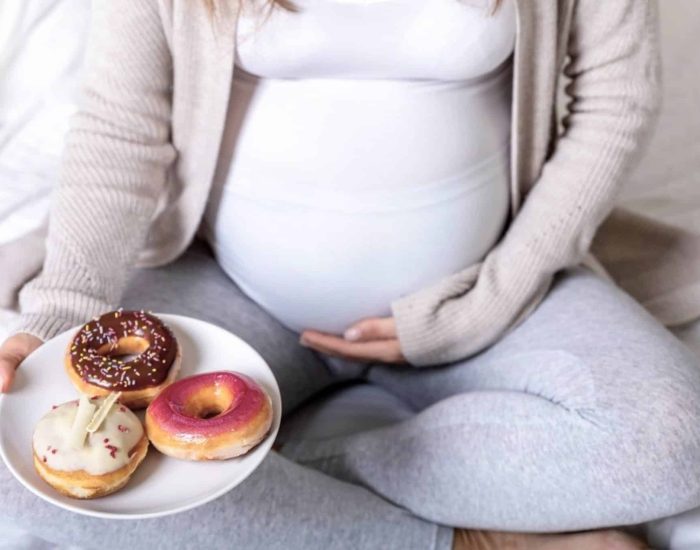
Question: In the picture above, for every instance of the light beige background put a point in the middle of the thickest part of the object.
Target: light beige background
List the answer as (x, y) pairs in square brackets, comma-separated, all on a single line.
[(667, 182)]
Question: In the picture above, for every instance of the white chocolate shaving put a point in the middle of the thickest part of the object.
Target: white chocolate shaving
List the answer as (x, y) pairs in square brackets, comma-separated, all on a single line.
[(82, 419), (102, 412)]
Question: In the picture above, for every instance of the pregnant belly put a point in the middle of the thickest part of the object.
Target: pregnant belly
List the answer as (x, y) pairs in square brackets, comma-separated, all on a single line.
[(315, 266)]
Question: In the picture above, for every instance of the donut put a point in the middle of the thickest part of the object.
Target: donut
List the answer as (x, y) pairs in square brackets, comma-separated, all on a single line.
[(211, 416), (94, 358), (86, 465)]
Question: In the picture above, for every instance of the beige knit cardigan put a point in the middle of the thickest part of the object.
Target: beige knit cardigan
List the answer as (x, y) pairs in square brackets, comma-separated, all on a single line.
[(141, 153)]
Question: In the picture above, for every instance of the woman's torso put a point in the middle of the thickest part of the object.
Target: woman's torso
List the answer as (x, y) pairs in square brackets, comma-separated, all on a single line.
[(366, 153)]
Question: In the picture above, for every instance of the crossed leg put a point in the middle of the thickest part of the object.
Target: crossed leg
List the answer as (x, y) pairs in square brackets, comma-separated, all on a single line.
[(584, 416)]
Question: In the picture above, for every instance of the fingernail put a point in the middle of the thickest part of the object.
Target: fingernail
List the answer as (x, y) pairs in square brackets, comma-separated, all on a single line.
[(352, 333)]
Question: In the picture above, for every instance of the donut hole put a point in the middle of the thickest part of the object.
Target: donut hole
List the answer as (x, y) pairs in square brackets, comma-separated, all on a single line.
[(206, 414), (207, 403), (126, 349)]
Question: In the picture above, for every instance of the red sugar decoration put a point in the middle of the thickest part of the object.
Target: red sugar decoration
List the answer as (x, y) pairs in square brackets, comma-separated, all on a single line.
[(122, 409), (44, 458), (54, 451), (112, 450), (54, 407), (106, 440), (122, 428)]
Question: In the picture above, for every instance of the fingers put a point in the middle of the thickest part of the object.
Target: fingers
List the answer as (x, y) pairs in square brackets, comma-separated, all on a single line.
[(7, 375), (374, 328), (12, 353), (10, 358), (387, 351), (371, 339)]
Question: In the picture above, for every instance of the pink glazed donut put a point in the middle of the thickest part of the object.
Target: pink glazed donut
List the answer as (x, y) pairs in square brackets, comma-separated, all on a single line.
[(211, 416)]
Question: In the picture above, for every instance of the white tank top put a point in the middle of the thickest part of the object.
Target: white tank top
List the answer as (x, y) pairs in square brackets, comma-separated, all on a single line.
[(366, 153)]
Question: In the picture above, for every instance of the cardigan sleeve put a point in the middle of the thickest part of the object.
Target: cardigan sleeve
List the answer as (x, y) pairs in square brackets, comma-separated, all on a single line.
[(113, 170), (613, 98)]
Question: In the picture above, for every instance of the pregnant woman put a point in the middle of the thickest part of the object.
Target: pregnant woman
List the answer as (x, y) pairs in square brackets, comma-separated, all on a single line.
[(377, 190)]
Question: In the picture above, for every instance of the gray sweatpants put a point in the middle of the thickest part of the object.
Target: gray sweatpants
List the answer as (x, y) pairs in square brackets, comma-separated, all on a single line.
[(586, 415)]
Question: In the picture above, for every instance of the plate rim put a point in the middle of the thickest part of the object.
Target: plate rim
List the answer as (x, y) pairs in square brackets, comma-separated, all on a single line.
[(267, 442)]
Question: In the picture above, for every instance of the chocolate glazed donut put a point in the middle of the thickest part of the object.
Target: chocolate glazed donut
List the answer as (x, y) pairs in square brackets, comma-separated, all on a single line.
[(95, 357)]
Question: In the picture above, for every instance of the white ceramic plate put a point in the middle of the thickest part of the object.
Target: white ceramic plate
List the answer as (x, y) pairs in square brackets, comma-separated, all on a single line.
[(161, 485)]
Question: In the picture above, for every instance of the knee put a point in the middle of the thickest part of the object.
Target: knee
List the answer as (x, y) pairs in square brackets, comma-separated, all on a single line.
[(663, 442)]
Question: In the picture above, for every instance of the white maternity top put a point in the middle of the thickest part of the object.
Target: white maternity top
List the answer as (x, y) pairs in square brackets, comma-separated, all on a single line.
[(366, 153)]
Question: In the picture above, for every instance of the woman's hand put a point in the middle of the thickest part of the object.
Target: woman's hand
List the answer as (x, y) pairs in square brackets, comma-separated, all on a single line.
[(372, 339), (12, 353)]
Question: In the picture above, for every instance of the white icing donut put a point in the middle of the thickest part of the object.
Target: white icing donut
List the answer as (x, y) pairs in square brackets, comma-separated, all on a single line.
[(106, 450)]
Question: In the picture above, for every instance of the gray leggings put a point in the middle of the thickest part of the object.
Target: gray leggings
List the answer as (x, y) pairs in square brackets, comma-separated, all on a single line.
[(586, 415)]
